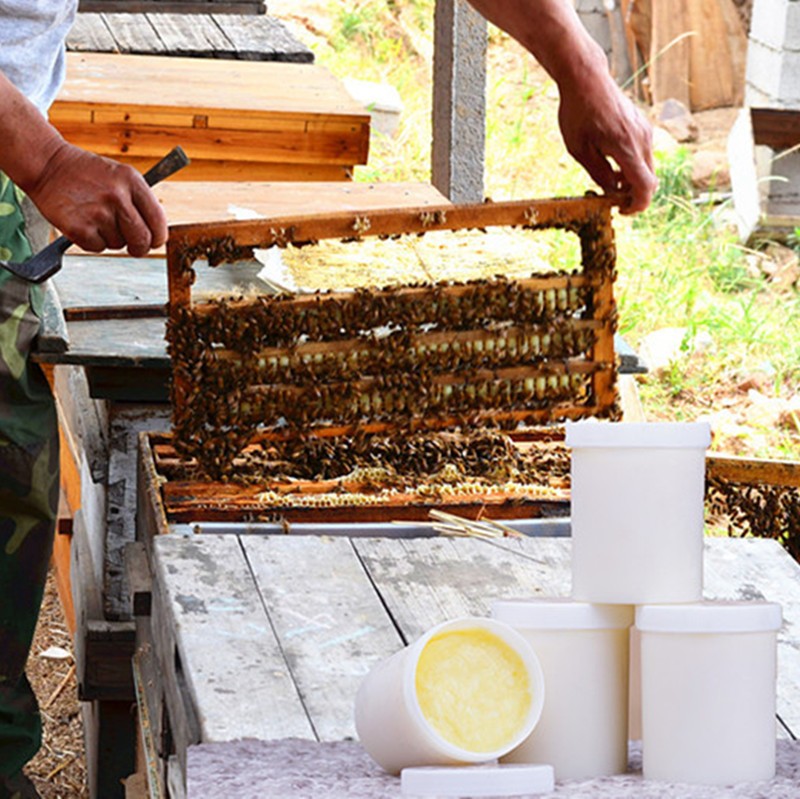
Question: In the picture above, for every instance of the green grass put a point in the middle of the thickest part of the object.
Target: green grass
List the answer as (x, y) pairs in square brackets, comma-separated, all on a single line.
[(679, 263)]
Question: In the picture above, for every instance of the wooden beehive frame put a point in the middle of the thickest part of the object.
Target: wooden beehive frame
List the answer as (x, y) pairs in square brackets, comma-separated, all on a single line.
[(589, 218)]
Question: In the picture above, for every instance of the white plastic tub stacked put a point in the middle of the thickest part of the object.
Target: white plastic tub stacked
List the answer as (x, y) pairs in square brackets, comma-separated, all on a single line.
[(557, 670)]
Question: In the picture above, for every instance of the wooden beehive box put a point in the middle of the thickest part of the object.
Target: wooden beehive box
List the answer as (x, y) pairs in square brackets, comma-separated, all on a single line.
[(236, 120), (295, 407)]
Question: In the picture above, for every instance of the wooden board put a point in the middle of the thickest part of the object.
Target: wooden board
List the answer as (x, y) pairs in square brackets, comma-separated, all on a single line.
[(778, 128), (712, 83), (126, 422), (670, 52), (211, 621), (330, 637), (178, 6), (697, 53), (226, 92), (426, 582), (260, 39), (293, 120)]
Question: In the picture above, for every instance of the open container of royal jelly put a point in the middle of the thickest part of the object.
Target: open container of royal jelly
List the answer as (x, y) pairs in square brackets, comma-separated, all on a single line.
[(468, 691), (637, 511)]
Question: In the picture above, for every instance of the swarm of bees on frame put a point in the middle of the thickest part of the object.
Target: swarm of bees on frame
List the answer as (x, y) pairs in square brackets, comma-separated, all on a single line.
[(416, 384), (763, 511)]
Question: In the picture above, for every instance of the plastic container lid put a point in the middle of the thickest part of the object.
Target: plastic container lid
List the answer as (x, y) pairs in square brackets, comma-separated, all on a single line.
[(710, 617), (561, 614), (503, 780), (659, 435)]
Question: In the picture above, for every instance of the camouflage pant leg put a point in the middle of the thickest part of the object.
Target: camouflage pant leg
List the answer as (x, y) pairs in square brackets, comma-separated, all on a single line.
[(28, 491)]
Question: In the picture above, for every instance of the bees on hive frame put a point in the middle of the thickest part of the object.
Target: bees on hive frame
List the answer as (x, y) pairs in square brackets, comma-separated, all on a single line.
[(395, 378)]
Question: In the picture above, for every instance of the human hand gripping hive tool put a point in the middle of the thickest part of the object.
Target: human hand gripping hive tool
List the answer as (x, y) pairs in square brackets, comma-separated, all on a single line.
[(48, 260)]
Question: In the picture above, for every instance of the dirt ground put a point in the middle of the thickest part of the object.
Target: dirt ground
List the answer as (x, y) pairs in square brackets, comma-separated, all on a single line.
[(59, 770)]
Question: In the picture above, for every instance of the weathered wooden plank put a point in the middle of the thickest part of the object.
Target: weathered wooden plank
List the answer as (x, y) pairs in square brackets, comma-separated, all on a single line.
[(202, 34), (151, 520), (259, 38), (90, 34), (53, 335), (233, 665), (194, 35), (761, 569), (139, 578), (328, 618), (670, 52), (109, 647), (114, 342), (126, 422), (193, 7), (93, 281), (424, 582), (88, 423), (133, 33), (149, 701), (712, 82)]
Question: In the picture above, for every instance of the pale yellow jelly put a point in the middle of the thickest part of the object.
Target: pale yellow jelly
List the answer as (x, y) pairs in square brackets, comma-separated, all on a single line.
[(473, 689)]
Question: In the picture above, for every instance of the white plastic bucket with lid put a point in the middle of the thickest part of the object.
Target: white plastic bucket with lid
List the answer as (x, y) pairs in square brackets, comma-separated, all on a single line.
[(467, 691), (637, 494), (709, 675), (583, 649)]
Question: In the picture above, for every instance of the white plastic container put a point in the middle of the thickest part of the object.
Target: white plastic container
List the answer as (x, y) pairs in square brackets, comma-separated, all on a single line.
[(637, 511), (583, 649), (708, 691), (467, 691)]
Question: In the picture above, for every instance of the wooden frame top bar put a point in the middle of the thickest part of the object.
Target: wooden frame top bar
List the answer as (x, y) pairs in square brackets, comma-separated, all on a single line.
[(299, 230)]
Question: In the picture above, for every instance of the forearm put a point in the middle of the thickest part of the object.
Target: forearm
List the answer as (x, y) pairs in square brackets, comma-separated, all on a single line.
[(601, 128), (29, 141), (552, 32), (98, 203)]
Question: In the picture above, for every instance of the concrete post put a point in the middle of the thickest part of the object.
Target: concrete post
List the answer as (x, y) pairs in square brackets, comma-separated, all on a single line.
[(459, 101), (773, 81), (773, 55)]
